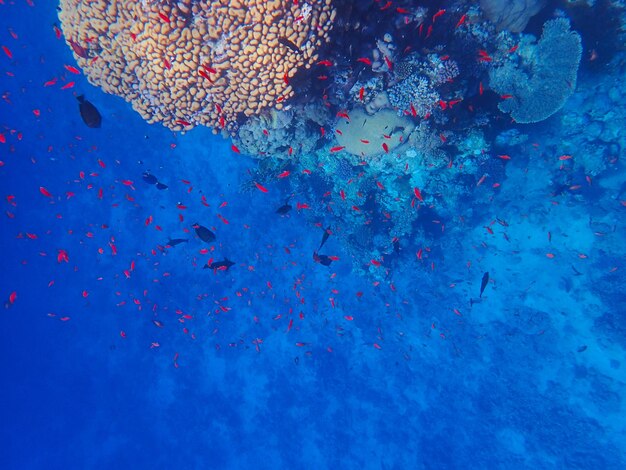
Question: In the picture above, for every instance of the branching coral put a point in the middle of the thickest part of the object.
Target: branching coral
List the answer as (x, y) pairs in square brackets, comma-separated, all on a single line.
[(196, 62), (540, 87)]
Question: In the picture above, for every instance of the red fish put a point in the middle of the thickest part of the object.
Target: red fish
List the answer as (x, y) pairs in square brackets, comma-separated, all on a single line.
[(7, 51), (68, 85), (260, 188), (438, 14), (164, 17), (364, 60), (284, 174), (235, 149), (44, 191), (418, 194), (337, 149), (63, 255), (71, 69), (461, 21)]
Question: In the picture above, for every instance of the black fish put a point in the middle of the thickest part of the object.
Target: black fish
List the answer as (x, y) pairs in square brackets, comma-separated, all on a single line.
[(223, 265), (161, 186), (282, 210), (324, 237), (290, 45), (91, 116), (204, 233), (483, 284), (149, 178), (324, 260), (176, 241)]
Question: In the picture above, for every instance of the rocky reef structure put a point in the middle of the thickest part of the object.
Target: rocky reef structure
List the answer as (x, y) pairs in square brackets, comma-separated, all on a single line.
[(190, 63), (387, 117), (512, 15)]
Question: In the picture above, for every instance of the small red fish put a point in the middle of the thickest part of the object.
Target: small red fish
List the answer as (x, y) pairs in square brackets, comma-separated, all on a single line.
[(326, 63), (284, 174), (337, 149), (7, 51), (71, 69), (260, 188), (164, 17), (235, 149), (44, 191), (461, 21), (364, 60), (68, 85), (438, 14), (418, 194)]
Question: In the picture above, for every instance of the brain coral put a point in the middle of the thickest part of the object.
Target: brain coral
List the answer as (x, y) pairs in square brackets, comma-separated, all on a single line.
[(196, 62)]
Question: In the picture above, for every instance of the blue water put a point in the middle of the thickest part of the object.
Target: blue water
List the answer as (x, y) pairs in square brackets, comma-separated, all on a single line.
[(280, 362)]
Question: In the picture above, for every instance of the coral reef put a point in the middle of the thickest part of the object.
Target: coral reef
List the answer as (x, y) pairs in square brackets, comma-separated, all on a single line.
[(193, 63), (538, 88)]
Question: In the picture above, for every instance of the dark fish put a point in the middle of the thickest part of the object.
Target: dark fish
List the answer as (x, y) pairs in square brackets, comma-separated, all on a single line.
[(324, 237), (176, 241), (290, 45), (284, 209), (149, 178), (324, 260), (204, 233), (223, 265), (91, 116), (483, 284), (79, 50), (582, 348), (161, 186)]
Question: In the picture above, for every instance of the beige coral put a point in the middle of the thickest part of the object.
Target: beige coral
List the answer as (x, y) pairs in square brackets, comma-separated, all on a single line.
[(197, 62)]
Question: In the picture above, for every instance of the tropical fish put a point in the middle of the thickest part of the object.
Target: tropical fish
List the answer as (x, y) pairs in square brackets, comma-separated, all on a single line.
[(324, 260), (289, 45), (223, 265), (483, 284), (149, 178), (91, 116), (324, 237), (284, 209), (204, 233)]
